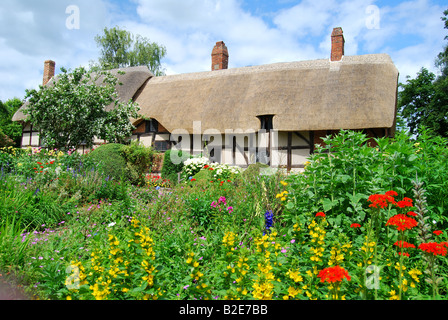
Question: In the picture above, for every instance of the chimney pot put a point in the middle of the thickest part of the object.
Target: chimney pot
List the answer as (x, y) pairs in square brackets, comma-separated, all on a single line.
[(337, 44), (220, 56), (49, 69)]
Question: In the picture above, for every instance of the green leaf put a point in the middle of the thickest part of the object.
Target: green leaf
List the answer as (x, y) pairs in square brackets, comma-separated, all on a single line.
[(328, 204)]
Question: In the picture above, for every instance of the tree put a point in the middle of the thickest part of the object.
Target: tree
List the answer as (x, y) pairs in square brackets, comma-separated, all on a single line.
[(442, 58), (423, 101), (72, 110), (120, 49), (10, 132)]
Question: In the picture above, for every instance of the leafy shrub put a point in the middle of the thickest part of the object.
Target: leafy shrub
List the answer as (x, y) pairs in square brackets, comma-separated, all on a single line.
[(171, 169), (138, 160), (110, 160)]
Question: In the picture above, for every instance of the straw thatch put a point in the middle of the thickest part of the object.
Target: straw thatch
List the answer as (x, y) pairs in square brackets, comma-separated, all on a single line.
[(128, 84), (355, 93)]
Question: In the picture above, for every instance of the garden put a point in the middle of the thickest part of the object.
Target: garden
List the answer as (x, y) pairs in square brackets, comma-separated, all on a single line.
[(362, 221)]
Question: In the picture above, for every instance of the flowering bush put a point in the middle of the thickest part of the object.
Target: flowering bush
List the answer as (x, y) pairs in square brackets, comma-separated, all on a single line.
[(219, 172), (193, 166)]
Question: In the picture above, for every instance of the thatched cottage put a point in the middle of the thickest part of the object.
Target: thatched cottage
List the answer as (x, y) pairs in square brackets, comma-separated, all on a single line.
[(272, 113)]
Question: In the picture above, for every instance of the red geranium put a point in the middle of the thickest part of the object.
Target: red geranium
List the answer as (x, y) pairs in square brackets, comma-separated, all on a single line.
[(333, 274), (320, 214), (438, 232), (355, 225), (434, 248), (402, 222)]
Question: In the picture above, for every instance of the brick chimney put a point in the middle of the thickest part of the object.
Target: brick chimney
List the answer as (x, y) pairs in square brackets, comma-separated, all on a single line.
[(337, 44), (220, 56), (49, 67)]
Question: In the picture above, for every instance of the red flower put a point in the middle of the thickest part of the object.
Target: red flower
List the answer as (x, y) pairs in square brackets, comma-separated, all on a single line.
[(206, 166), (355, 225), (391, 193), (406, 202), (404, 244), (333, 274), (412, 214), (404, 254), (438, 232), (402, 222), (320, 214), (434, 248), (193, 179), (380, 200)]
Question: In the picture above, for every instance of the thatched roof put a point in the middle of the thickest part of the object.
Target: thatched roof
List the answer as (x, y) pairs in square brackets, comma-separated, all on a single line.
[(357, 92), (128, 84)]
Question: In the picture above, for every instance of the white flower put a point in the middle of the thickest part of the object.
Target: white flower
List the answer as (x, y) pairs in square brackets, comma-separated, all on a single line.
[(111, 224)]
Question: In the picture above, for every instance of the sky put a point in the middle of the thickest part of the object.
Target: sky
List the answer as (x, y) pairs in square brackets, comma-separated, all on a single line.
[(255, 32)]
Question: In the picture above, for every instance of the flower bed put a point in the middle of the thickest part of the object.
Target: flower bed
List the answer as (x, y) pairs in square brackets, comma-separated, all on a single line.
[(321, 234)]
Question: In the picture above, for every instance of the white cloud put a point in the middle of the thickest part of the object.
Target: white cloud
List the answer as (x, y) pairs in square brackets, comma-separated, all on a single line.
[(33, 31)]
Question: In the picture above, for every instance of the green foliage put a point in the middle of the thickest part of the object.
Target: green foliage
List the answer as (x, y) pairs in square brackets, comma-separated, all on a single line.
[(110, 160), (10, 132), (171, 168), (138, 161), (72, 110), (120, 49), (423, 103), (346, 170)]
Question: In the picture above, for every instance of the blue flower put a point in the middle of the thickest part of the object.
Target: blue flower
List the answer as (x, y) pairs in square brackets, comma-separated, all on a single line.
[(158, 187), (268, 216)]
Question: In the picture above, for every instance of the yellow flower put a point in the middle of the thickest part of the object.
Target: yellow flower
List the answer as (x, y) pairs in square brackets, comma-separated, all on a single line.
[(393, 295), (414, 273), (294, 291)]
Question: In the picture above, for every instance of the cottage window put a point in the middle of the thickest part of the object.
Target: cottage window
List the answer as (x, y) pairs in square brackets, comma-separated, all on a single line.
[(266, 122), (162, 146), (151, 126)]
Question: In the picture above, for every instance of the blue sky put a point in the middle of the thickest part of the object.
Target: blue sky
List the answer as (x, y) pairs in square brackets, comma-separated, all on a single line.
[(255, 32)]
